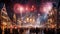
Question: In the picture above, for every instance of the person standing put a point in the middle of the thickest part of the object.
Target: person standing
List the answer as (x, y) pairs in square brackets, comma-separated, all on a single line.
[(0, 30)]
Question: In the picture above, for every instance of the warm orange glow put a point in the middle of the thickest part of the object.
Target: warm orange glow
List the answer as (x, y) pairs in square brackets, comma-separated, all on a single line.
[(52, 26), (50, 20), (31, 20), (27, 19), (4, 23)]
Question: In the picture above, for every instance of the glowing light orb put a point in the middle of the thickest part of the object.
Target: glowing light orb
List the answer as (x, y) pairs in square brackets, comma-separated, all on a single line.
[(46, 7), (18, 8), (27, 9)]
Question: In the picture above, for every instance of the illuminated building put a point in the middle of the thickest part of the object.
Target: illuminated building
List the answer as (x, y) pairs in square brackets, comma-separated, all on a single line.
[(4, 16), (52, 19)]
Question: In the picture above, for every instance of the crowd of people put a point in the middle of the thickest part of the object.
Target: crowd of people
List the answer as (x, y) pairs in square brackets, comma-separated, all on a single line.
[(31, 31)]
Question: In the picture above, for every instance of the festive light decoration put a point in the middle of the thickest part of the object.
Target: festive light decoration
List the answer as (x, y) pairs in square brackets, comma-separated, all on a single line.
[(18, 8)]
